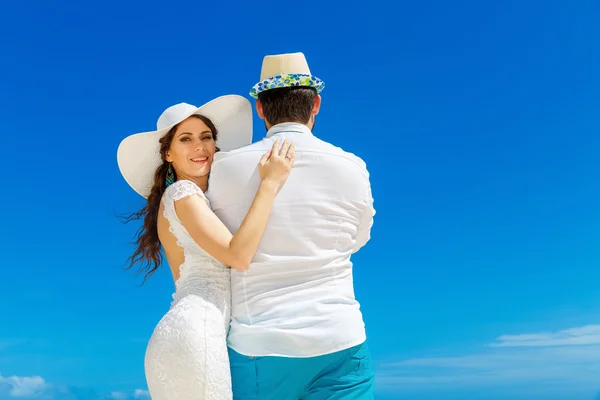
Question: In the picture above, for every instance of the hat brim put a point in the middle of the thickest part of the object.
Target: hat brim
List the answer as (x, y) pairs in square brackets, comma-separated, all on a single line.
[(138, 155), (287, 80)]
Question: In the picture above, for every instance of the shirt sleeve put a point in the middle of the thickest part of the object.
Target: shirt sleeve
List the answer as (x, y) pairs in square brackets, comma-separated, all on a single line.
[(366, 222)]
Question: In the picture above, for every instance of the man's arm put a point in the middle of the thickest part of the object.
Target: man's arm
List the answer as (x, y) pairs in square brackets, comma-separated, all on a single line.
[(366, 222)]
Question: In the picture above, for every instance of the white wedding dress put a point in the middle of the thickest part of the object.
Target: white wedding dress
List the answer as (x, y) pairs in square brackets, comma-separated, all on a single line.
[(186, 358)]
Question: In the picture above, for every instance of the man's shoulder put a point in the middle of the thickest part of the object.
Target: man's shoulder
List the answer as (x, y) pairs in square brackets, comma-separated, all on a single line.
[(338, 151)]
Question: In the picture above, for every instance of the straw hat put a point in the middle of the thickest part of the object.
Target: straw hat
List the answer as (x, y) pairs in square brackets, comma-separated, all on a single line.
[(285, 70)]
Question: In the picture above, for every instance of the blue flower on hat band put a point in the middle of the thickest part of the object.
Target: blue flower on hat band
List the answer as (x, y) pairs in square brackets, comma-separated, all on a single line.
[(288, 80)]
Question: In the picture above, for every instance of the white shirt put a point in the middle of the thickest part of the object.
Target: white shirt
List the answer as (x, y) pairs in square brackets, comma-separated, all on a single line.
[(297, 298)]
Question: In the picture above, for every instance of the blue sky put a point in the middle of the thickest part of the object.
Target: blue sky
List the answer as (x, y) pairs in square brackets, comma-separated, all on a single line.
[(478, 122)]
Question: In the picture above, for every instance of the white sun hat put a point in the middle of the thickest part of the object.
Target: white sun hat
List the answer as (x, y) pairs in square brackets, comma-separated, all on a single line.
[(138, 155)]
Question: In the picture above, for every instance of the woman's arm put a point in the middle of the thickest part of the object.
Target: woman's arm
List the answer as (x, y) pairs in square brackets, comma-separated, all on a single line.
[(213, 236)]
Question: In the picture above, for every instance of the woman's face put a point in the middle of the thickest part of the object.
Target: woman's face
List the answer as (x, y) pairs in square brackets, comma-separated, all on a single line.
[(192, 149)]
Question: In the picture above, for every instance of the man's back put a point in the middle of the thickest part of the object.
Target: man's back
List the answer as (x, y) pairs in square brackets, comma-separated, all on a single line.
[(297, 298)]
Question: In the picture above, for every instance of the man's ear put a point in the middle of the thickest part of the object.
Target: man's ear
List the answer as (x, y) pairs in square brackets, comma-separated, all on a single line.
[(316, 104), (259, 109)]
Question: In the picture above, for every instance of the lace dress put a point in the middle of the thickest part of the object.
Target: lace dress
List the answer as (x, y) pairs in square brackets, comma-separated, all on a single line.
[(186, 358)]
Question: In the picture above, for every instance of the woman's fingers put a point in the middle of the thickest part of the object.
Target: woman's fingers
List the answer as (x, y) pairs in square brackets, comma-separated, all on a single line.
[(284, 149), (291, 153)]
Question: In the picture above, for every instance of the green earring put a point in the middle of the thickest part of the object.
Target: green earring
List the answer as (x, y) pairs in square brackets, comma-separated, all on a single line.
[(170, 177)]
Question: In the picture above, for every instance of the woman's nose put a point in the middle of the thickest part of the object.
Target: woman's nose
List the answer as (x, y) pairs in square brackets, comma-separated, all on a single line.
[(199, 145)]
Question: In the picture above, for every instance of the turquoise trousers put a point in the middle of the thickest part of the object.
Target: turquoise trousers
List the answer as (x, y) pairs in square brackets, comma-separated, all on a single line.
[(346, 374)]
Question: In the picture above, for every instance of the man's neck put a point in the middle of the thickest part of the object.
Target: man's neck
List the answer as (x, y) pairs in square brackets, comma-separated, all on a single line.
[(308, 125)]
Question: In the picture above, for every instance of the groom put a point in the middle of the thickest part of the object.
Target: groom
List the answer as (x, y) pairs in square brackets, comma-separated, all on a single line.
[(296, 329)]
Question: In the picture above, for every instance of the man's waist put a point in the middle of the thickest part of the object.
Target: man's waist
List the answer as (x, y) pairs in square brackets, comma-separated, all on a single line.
[(299, 336)]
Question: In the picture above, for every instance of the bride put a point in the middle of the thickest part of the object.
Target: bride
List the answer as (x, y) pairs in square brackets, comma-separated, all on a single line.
[(187, 356)]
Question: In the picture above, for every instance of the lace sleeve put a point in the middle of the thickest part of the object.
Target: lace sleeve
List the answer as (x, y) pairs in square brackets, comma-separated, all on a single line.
[(182, 189), (177, 191)]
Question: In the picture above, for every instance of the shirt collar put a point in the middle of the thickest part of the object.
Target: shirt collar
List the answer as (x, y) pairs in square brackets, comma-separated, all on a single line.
[(289, 127)]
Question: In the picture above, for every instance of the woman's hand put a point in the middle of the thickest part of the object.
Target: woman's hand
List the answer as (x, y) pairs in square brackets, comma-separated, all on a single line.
[(276, 164)]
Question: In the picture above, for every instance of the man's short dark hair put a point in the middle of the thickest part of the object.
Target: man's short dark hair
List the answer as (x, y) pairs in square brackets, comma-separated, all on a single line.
[(288, 104)]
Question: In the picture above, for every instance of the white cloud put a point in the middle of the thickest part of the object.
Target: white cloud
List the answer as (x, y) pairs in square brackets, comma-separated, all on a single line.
[(567, 360), (584, 335), (27, 386), (36, 388), (141, 394), (138, 394)]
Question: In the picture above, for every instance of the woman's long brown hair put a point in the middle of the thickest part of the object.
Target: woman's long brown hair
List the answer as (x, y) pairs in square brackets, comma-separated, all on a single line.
[(148, 254)]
